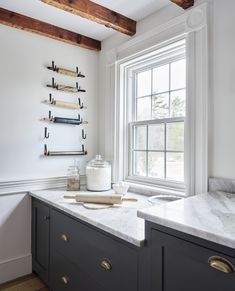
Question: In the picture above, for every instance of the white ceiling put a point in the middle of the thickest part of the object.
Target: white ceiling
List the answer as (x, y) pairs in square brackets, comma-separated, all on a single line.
[(135, 9)]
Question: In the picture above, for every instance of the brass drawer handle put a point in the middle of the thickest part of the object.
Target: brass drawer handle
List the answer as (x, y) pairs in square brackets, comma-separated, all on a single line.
[(65, 280), (221, 264), (64, 237), (106, 264)]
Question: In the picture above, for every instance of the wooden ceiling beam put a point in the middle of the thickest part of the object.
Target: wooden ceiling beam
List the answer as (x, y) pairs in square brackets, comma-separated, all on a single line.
[(39, 27), (95, 12), (185, 4)]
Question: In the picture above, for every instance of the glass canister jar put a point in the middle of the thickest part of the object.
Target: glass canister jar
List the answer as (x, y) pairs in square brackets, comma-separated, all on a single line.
[(73, 178), (98, 174)]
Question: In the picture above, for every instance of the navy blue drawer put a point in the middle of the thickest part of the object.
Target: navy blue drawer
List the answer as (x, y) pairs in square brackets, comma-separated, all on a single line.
[(67, 276), (111, 263)]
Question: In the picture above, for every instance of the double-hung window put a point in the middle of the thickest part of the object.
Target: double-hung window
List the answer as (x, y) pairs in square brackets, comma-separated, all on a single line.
[(157, 101), (158, 130)]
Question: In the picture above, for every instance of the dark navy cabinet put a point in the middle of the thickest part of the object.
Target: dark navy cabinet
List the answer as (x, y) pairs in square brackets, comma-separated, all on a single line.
[(181, 262), (71, 255), (40, 239), (110, 263)]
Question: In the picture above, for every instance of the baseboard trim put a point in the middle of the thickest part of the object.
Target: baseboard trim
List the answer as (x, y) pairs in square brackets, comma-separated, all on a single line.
[(24, 186), (15, 268)]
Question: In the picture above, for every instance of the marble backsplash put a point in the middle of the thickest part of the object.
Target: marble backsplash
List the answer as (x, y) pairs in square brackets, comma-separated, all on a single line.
[(220, 184)]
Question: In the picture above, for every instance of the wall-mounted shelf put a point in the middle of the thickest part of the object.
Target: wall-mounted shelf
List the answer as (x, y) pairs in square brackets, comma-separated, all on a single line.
[(66, 72), (63, 120), (83, 152), (65, 88), (63, 104)]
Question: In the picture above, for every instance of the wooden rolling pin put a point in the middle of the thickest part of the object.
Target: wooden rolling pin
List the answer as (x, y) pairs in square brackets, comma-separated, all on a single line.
[(100, 198), (69, 73), (64, 104)]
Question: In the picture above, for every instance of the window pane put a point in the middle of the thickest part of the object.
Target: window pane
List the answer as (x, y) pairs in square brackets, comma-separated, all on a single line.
[(156, 137), (144, 83), (140, 138), (139, 163), (156, 165), (175, 166), (144, 108), (178, 75), (175, 136), (178, 103), (160, 106), (161, 79)]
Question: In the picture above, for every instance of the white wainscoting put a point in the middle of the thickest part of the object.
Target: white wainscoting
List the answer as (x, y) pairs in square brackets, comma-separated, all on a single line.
[(15, 268)]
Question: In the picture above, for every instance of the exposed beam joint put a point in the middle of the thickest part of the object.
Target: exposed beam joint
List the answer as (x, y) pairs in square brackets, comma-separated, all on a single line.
[(39, 27), (185, 4), (95, 12)]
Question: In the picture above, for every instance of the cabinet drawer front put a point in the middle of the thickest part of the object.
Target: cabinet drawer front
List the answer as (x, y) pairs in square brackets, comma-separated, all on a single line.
[(182, 265), (67, 276), (109, 262)]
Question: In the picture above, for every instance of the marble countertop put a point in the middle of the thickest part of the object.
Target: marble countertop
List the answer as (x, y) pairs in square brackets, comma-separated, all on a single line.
[(210, 216), (120, 221)]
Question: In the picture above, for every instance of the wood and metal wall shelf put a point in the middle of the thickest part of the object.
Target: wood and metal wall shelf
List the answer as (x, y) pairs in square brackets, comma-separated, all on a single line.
[(66, 72), (67, 105), (63, 120), (83, 152), (65, 88)]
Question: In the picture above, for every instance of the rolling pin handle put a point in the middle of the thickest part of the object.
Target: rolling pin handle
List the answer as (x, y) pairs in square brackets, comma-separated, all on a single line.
[(69, 197)]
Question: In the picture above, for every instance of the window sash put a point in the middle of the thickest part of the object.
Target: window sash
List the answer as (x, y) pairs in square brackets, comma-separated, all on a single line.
[(147, 179)]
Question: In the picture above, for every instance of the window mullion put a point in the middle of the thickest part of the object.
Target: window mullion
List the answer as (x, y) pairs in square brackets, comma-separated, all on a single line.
[(147, 149), (164, 150)]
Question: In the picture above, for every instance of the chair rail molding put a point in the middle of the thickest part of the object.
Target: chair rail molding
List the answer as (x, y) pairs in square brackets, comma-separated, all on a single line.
[(23, 186)]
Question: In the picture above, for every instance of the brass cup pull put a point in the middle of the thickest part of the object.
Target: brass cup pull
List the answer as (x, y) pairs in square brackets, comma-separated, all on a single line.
[(221, 264), (64, 237), (65, 280), (106, 264)]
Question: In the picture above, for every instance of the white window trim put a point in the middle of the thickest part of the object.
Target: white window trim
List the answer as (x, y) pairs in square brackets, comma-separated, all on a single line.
[(192, 24), (131, 70)]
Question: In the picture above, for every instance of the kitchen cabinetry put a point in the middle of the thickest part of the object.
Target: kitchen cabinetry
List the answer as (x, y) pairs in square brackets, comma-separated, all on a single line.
[(69, 254), (182, 262), (40, 239), (81, 257)]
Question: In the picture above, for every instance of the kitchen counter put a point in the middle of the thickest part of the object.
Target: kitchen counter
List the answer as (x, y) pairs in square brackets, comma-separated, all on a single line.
[(120, 221), (210, 216)]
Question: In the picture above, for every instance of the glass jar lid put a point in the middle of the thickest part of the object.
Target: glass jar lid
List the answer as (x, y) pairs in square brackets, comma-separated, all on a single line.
[(98, 162)]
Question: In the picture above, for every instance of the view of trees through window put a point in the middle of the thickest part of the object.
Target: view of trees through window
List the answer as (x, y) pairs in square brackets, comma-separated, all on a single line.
[(158, 129)]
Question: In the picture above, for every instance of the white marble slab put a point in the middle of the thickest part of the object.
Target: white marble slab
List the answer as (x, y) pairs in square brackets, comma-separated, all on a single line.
[(120, 221), (210, 216), (220, 184)]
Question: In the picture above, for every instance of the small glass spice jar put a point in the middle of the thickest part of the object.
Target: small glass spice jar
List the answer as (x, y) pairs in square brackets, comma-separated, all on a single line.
[(73, 178)]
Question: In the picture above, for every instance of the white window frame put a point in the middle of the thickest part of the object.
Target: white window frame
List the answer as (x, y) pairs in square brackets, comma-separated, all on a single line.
[(196, 145), (150, 59), (128, 165)]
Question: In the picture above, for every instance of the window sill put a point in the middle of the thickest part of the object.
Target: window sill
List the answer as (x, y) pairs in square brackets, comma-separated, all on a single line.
[(153, 190)]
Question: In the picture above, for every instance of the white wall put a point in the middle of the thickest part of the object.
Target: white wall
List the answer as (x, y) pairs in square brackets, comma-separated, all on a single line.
[(23, 78), (221, 87), (222, 143)]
